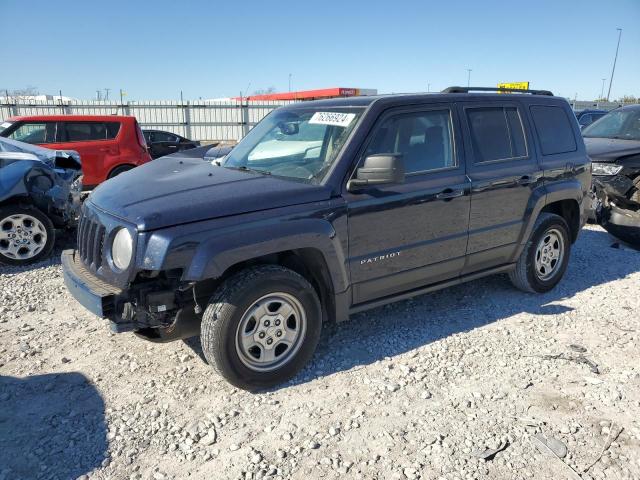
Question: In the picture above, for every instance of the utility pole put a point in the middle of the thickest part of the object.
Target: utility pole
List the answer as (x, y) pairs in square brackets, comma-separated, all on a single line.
[(428, 87), (615, 59), (602, 89), (289, 82), (468, 77)]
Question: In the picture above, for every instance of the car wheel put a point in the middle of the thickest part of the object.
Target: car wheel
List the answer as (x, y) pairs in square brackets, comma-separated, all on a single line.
[(26, 235), (261, 326), (118, 170), (544, 258)]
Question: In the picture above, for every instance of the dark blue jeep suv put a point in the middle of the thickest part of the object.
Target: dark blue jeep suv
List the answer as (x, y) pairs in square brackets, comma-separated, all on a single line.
[(329, 208)]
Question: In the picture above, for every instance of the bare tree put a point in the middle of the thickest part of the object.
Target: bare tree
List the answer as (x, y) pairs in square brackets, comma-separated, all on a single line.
[(265, 91), (20, 93)]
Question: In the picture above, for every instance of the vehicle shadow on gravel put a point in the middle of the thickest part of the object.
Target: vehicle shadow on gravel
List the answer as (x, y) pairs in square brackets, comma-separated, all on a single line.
[(404, 326), (51, 426)]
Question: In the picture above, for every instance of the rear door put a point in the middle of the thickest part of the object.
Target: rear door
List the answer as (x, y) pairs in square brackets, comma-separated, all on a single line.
[(95, 142), (503, 168), (405, 236), (163, 143)]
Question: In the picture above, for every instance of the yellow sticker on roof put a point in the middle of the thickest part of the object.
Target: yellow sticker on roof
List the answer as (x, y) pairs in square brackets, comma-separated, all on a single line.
[(336, 119)]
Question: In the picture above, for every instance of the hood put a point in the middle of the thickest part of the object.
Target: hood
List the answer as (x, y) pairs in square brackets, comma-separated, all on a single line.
[(610, 149), (15, 150), (173, 190)]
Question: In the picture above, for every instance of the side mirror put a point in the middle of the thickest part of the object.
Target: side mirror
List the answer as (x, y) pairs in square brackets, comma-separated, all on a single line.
[(289, 128), (380, 169)]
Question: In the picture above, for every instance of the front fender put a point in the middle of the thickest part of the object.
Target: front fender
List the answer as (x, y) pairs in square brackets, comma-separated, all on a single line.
[(207, 249), (12, 179)]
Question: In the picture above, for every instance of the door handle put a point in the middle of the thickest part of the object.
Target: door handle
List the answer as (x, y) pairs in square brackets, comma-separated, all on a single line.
[(448, 194)]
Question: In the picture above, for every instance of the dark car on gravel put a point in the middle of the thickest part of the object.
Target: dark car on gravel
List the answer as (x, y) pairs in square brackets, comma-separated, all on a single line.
[(587, 117), (330, 208), (39, 192), (613, 143), (161, 143)]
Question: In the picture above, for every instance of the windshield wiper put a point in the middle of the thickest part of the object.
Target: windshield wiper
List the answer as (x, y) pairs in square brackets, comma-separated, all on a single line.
[(247, 169)]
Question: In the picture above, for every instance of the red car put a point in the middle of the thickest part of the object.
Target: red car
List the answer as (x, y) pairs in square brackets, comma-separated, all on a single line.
[(108, 144)]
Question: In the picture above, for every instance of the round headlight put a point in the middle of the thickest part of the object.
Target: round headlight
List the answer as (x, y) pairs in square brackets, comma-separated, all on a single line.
[(122, 249)]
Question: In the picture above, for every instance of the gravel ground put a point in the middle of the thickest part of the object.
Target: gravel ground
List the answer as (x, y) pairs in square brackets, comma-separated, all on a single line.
[(424, 388)]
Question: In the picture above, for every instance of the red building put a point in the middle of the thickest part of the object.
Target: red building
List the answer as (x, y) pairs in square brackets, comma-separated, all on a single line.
[(314, 94)]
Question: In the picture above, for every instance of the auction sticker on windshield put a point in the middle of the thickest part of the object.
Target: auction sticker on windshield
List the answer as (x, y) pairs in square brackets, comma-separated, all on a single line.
[(332, 118)]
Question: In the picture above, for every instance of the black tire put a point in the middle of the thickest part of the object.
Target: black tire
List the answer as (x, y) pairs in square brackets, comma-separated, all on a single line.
[(226, 309), (9, 210), (525, 276), (118, 170)]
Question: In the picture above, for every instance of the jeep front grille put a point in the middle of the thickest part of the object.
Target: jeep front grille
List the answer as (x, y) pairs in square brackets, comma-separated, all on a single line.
[(90, 242)]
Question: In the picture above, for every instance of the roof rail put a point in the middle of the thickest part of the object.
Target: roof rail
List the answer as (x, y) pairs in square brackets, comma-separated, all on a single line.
[(495, 89)]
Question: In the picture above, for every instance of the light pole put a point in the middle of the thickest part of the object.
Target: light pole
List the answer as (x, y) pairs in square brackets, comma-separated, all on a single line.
[(615, 59), (468, 77), (602, 89), (428, 87), (289, 82)]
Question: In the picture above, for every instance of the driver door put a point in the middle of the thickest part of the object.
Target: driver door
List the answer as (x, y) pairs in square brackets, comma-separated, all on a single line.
[(406, 236)]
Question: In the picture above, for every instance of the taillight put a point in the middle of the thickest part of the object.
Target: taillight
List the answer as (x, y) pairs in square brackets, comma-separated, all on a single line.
[(141, 140)]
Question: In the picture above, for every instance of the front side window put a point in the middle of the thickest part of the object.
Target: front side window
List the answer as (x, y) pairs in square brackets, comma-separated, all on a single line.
[(424, 139), (496, 133), (34, 132), (619, 124), (297, 143)]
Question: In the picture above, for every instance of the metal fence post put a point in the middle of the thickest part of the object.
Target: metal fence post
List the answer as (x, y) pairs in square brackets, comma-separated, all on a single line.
[(245, 117), (187, 118)]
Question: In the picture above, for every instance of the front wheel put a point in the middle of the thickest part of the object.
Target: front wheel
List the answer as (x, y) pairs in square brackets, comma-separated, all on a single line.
[(261, 326), (26, 235), (544, 258)]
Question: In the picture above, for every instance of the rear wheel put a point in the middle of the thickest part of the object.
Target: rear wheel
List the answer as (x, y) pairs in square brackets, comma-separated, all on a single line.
[(261, 326), (118, 170), (26, 235), (544, 258)]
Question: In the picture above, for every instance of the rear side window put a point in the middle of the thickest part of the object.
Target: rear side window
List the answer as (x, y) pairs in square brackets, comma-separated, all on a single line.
[(88, 131), (496, 133), (555, 132)]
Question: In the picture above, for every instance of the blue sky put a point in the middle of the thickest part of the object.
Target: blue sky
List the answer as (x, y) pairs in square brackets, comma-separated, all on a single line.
[(212, 49)]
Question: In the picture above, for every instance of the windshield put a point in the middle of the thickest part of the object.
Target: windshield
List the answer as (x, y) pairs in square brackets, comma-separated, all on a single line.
[(620, 124), (298, 143)]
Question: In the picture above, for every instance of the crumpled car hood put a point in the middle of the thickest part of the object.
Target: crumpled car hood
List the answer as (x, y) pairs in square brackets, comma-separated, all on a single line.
[(177, 190), (50, 178), (15, 150), (610, 149)]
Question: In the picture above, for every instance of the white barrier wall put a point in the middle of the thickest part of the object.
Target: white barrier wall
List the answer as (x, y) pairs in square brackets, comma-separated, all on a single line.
[(227, 120)]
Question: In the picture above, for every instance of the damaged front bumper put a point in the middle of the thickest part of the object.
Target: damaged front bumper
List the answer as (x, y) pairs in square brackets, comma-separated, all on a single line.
[(616, 206), (98, 297), (124, 312)]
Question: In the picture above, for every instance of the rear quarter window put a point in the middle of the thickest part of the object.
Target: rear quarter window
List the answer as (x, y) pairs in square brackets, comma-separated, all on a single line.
[(554, 129), (89, 131)]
